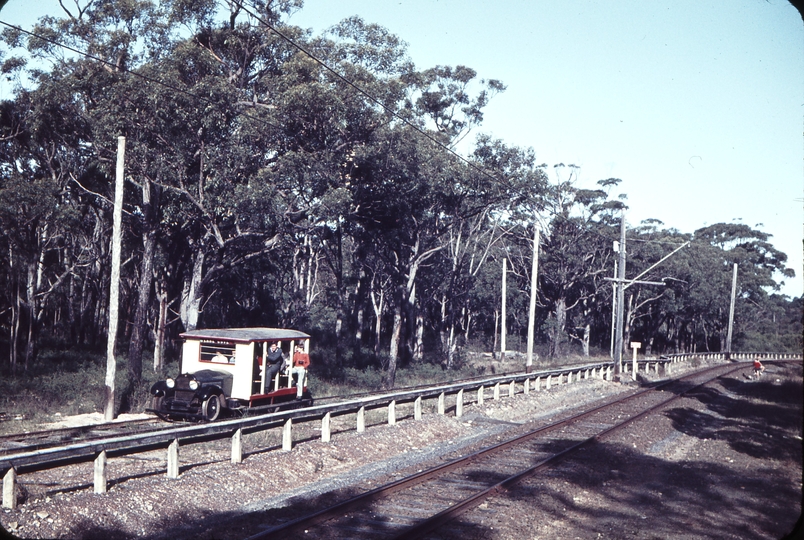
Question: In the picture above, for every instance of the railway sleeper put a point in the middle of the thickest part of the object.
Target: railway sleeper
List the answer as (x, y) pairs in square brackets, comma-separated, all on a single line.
[(412, 513), (463, 483)]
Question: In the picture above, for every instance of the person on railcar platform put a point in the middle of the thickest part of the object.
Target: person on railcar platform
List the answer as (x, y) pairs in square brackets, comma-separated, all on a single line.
[(275, 361), (301, 362)]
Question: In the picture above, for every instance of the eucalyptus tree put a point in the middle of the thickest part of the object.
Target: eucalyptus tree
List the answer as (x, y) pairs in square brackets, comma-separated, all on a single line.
[(137, 77), (577, 256), (41, 133), (691, 312), (758, 263), (505, 186)]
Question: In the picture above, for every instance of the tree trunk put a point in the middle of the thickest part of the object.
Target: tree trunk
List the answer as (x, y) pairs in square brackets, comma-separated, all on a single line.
[(418, 350), (453, 347), (191, 295), (396, 336), (585, 341), (629, 319), (159, 346), (557, 332), (138, 326), (468, 325), (379, 306), (15, 316), (360, 289), (150, 221), (443, 326), (30, 310)]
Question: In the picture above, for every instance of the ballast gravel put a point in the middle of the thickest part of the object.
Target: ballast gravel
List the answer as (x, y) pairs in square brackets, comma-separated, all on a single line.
[(741, 442)]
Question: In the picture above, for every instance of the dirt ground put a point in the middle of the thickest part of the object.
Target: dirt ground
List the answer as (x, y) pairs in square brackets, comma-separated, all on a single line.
[(726, 462)]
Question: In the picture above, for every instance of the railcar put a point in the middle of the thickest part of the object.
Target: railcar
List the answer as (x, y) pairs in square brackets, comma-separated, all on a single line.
[(223, 371)]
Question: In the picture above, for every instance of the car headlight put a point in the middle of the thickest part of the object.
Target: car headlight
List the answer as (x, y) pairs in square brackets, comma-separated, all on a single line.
[(170, 383), (193, 385)]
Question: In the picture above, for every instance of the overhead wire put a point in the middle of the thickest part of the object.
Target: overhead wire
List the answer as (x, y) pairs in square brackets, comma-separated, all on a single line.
[(153, 80), (291, 42), (306, 52), (361, 90)]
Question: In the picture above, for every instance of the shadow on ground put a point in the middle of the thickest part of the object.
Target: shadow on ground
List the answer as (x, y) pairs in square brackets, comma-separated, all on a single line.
[(614, 491)]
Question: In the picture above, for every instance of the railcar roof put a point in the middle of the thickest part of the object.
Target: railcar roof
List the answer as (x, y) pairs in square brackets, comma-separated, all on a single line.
[(245, 335)]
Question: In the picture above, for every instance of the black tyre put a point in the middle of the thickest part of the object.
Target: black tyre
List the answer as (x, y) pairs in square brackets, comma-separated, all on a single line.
[(211, 408), (156, 403)]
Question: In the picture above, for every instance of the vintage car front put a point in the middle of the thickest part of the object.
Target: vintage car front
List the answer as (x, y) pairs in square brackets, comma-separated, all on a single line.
[(192, 396)]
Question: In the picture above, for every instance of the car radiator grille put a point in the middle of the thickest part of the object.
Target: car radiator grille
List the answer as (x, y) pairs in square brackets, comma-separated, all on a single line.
[(184, 395)]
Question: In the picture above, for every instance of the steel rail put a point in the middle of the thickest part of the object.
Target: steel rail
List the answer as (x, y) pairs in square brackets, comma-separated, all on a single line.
[(23, 442), (83, 451), (431, 524), (34, 460), (285, 529)]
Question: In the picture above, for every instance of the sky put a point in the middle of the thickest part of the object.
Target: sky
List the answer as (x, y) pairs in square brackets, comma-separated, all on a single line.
[(696, 105)]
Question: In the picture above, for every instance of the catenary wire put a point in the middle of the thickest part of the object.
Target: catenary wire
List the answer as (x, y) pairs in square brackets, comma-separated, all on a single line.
[(362, 91)]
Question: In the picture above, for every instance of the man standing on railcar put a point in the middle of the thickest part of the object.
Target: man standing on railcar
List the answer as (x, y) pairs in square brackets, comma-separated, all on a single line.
[(301, 361), (275, 361)]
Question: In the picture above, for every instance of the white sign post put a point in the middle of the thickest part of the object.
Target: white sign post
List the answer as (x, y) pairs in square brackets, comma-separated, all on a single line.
[(635, 345)]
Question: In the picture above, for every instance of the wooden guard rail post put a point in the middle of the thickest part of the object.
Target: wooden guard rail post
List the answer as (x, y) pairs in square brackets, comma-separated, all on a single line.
[(10, 489)]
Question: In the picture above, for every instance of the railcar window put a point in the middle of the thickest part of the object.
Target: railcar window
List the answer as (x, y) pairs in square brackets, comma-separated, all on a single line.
[(219, 353)]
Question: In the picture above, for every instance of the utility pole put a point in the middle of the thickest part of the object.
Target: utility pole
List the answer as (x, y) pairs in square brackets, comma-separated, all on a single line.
[(731, 311), (114, 285), (620, 284), (614, 301), (503, 328), (618, 334), (533, 292)]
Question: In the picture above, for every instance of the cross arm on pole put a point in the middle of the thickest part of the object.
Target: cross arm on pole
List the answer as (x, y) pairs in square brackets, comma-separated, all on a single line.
[(660, 261), (633, 281)]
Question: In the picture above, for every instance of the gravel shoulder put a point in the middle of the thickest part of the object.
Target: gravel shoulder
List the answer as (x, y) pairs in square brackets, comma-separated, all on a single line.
[(737, 447)]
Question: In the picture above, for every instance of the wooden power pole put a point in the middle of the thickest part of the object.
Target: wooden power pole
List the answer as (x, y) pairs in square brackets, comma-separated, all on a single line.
[(503, 328), (731, 311), (533, 292), (114, 286), (618, 333)]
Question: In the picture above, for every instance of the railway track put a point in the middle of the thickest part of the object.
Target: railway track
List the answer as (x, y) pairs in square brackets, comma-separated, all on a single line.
[(33, 441), (417, 505), (52, 438)]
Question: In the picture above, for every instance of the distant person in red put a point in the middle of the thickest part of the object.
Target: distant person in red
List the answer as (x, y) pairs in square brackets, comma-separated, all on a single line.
[(758, 368), (301, 361)]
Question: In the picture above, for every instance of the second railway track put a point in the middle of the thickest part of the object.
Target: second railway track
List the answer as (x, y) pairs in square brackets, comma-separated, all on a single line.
[(414, 506)]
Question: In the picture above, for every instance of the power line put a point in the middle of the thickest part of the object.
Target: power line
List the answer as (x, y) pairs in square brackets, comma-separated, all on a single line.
[(290, 41), (128, 71), (365, 93)]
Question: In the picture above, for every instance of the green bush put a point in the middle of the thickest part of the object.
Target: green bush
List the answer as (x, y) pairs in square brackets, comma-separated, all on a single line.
[(69, 383)]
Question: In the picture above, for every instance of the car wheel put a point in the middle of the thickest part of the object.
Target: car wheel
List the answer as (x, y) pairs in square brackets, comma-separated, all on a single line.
[(211, 409), (156, 403)]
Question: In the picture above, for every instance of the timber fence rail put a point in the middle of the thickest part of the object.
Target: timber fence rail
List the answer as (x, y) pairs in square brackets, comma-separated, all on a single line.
[(474, 391), (99, 451), (666, 361)]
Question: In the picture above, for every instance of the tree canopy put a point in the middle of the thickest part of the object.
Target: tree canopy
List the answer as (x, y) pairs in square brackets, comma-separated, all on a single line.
[(280, 178)]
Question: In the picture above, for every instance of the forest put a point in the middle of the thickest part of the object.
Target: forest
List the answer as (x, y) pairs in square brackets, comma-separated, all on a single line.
[(274, 177)]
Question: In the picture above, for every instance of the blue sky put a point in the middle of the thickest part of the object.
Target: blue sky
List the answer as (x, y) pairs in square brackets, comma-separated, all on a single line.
[(697, 105)]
